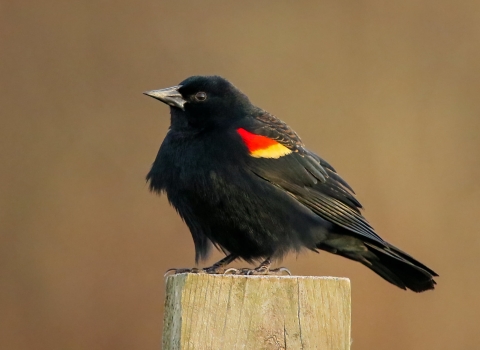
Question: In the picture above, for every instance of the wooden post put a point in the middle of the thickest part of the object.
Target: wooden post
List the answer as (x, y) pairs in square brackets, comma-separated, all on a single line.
[(209, 312)]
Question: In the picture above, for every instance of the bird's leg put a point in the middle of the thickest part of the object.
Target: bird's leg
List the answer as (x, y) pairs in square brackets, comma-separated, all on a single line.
[(219, 265), (262, 269), (215, 268)]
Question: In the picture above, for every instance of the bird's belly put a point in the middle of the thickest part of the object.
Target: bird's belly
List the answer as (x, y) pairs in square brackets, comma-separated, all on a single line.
[(243, 213)]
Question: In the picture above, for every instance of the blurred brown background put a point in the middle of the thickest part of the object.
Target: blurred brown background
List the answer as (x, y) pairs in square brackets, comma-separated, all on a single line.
[(388, 92)]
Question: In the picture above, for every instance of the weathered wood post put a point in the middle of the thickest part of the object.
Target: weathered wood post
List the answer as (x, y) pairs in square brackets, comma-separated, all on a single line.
[(209, 312)]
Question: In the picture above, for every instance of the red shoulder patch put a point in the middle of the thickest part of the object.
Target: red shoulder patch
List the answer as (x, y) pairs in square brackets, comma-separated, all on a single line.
[(262, 146)]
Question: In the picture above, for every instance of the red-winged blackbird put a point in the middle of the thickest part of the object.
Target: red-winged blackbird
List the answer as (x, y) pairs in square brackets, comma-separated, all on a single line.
[(243, 181)]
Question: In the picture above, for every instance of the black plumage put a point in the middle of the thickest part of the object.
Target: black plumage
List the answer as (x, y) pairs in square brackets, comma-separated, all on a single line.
[(242, 180)]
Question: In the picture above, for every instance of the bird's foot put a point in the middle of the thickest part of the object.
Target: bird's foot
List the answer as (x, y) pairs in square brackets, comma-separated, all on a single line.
[(175, 271), (209, 270), (217, 268), (261, 270)]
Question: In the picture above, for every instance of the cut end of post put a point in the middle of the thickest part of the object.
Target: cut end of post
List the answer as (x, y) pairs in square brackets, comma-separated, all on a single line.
[(205, 311)]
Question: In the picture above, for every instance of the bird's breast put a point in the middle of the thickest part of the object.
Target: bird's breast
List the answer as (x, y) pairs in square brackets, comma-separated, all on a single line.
[(198, 165)]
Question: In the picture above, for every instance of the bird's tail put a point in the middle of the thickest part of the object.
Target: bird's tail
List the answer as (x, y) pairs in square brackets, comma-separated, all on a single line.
[(389, 262)]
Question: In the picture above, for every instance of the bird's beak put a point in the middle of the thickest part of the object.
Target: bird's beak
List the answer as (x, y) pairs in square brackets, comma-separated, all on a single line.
[(170, 96)]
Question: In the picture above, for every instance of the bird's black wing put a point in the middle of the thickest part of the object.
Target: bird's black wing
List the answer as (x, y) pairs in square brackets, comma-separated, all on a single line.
[(306, 176)]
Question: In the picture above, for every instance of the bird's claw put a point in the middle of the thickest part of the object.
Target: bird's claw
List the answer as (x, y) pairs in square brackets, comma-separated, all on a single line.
[(280, 271), (234, 271), (262, 270), (183, 270), (213, 270), (209, 270)]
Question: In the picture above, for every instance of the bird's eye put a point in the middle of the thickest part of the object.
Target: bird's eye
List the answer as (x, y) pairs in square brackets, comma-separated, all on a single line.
[(200, 96)]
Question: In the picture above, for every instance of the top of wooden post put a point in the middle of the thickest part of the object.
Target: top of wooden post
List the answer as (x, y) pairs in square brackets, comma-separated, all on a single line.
[(205, 311)]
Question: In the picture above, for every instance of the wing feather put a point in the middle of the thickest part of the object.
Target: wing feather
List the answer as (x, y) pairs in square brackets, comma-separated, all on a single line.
[(309, 178)]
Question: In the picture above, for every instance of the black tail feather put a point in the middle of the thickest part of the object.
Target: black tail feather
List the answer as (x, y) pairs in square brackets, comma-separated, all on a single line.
[(399, 269), (387, 261)]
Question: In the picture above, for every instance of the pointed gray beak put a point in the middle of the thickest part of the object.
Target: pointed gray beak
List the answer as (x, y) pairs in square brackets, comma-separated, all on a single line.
[(170, 96)]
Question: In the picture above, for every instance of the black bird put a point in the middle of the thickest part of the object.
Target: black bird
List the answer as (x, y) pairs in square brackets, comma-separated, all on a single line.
[(243, 181)]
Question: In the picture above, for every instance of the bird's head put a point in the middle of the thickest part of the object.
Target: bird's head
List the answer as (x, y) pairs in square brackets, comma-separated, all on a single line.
[(203, 101)]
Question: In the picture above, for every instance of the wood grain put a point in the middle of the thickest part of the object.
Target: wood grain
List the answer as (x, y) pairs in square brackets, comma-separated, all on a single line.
[(256, 312)]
